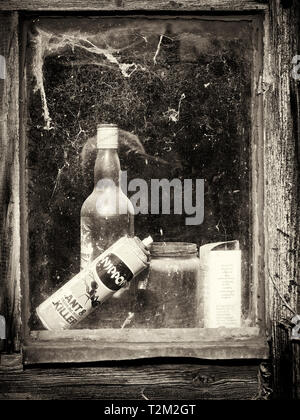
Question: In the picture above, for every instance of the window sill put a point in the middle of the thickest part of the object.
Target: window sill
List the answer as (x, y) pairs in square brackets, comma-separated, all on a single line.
[(127, 344)]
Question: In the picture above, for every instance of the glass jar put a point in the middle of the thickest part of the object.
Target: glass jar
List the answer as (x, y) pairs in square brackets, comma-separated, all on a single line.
[(170, 294)]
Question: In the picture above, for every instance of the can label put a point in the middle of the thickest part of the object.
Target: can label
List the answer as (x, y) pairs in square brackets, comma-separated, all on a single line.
[(113, 272), (68, 307), (87, 291)]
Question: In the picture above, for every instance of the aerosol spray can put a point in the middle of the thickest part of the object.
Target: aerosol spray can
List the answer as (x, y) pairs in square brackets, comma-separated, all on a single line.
[(107, 274)]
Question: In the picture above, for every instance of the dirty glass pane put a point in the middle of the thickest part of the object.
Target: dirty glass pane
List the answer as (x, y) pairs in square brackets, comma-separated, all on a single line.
[(180, 91)]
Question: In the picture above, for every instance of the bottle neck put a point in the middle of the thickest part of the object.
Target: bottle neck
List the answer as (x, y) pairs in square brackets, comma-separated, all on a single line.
[(107, 166)]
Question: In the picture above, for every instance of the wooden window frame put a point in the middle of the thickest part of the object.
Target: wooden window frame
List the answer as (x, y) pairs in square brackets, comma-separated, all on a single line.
[(274, 151)]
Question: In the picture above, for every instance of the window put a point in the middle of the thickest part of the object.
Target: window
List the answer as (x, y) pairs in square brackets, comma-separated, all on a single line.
[(183, 89)]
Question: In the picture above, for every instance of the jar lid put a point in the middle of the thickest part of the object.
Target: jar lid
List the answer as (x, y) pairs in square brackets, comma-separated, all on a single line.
[(173, 249)]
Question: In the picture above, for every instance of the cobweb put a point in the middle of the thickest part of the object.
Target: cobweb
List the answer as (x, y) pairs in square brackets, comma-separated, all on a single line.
[(46, 43)]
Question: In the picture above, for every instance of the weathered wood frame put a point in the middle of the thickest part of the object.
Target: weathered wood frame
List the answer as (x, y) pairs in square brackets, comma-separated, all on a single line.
[(130, 5), (278, 163)]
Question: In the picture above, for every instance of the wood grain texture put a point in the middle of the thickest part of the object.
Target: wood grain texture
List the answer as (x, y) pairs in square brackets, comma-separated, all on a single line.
[(9, 181), (296, 371), (295, 109), (281, 190), (138, 381), (11, 363), (119, 5)]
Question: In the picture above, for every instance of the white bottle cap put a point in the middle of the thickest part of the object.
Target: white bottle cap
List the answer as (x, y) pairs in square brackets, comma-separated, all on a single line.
[(107, 136), (148, 241)]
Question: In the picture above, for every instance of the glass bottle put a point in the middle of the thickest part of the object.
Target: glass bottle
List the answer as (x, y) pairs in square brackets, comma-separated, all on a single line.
[(107, 214)]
